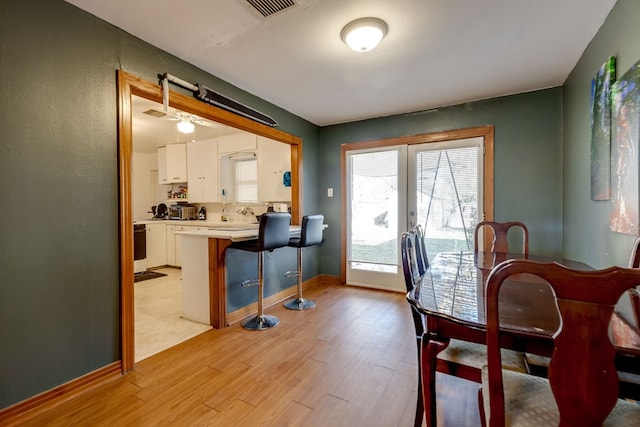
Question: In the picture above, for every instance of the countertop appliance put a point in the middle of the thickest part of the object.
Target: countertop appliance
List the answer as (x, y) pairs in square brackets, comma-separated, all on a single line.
[(161, 212), (182, 212)]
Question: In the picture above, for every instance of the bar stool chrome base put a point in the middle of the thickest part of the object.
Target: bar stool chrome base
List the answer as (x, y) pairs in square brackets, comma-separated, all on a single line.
[(310, 235), (300, 304), (260, 323)]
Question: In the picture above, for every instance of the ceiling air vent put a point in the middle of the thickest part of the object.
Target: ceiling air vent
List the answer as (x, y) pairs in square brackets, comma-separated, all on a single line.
[(270, 7), (154, 113)]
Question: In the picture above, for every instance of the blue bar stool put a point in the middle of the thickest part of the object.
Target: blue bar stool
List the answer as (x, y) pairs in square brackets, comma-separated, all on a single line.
[(310, 235), (273, 234)]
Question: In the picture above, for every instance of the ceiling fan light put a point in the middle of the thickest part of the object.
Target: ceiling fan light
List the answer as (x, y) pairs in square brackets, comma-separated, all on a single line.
[(185, 125), (364, 34)]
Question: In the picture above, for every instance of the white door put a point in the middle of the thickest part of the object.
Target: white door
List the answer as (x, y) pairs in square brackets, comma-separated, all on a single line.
[(390, 189)]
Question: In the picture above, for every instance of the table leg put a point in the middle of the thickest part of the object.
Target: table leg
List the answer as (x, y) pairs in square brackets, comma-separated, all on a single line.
[(428, 360)]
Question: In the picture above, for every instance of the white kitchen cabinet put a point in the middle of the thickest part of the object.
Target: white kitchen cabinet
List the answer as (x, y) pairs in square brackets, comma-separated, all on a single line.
[(243, 141), (172, 164), (202, 172), (156, 245), (274, 159), (171, 244)]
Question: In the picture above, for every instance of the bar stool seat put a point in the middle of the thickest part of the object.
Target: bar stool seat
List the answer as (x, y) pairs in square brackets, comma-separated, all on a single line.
[(272, 234), (310, 235)]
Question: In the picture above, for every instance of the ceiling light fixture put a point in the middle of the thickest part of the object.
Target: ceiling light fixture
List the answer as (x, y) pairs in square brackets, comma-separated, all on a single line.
[(185, 125), (364, 34)]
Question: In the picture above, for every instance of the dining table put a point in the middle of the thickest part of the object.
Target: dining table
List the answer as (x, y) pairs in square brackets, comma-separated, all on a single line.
[(450, 296)]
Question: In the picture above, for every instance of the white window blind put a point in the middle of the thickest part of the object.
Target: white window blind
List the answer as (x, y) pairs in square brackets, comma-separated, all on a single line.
[(247, 180)]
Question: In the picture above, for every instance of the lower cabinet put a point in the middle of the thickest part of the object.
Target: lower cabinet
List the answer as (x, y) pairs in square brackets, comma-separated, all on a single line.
[(156, 245)]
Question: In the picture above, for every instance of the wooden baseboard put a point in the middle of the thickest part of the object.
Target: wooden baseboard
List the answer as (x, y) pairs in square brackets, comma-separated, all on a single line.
[(328, 280), (62, 393), (322, 279)]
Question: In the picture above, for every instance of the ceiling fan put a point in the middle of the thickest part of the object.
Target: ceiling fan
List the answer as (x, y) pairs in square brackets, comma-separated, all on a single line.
[(185, 121)]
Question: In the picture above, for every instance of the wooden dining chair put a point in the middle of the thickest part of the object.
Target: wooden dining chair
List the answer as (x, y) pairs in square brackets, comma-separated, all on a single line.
[(630, 383), (461, 358), (583, 386), (500, 231), (410, 268)]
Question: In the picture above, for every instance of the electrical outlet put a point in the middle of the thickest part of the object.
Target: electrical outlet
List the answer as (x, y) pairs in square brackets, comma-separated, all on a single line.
[(329, 192)]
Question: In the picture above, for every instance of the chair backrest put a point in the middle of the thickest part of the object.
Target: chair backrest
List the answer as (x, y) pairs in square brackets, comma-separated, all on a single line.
[(500, 230), (634, 294), (634, 258), (411, 273), (410, 258), (311, 232), (421, 249), (274, 230), (582, 372)]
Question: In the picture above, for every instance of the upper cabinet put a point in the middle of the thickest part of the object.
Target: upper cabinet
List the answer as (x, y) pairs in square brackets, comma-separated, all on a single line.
[(274, 170), (238, 168), (243, 141), (172, 164), (202, 158)]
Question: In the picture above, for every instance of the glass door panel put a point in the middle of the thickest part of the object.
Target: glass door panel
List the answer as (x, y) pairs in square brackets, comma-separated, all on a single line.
[(445, 195), (376, 196)]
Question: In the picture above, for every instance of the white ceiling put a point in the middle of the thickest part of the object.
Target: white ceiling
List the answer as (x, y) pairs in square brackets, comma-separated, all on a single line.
[(436, 53)]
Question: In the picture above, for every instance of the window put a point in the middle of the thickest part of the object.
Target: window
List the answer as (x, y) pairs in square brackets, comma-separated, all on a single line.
[(246, 181)]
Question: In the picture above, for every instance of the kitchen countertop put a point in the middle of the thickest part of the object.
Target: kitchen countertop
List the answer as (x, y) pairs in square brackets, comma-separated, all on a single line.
[(233, 231), (196, 222)]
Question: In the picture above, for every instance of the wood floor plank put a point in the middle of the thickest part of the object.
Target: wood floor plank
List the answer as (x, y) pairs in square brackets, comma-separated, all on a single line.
[(351, 361), (292, 414)]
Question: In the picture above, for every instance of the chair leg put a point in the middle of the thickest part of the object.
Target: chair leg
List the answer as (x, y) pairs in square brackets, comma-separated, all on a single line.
[(419, 403), (483, 416), (299, 303), (261, 321)]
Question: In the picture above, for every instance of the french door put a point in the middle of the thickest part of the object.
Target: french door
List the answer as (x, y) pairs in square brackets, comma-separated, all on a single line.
[(390, 188)]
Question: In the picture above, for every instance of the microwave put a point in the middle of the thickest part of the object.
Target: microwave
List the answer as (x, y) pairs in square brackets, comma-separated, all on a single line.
[(182, 212)]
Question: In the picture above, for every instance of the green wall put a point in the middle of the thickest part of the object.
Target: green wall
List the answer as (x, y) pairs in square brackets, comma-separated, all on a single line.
[(527, 161), (586, 232), (59, 297)]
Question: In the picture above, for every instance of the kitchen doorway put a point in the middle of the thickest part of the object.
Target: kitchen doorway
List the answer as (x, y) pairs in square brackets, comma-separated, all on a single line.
[(444, 182), (128, 86)]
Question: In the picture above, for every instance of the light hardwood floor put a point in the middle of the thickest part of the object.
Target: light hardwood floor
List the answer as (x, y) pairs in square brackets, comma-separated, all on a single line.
[(349, 362)]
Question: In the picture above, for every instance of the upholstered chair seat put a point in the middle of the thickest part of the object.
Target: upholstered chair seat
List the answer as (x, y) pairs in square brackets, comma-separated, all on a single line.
[(529, 402)]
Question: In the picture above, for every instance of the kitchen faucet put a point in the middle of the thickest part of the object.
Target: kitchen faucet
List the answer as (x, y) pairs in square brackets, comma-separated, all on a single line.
[(245, 211)]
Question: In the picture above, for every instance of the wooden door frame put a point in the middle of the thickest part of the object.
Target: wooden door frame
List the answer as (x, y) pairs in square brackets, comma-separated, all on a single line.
[(486, 132), (128, 85)]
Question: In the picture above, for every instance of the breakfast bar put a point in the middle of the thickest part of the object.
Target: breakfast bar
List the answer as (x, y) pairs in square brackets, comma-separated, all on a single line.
[(206, 276)]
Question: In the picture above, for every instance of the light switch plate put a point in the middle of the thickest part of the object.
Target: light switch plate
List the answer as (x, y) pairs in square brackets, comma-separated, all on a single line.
[(329, 192)]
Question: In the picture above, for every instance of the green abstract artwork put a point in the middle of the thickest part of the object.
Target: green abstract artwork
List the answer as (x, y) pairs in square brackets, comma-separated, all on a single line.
[(624, 154), (601, 130)]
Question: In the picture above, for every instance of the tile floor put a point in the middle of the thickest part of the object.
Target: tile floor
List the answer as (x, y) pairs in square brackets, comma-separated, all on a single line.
[(158, 311)]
